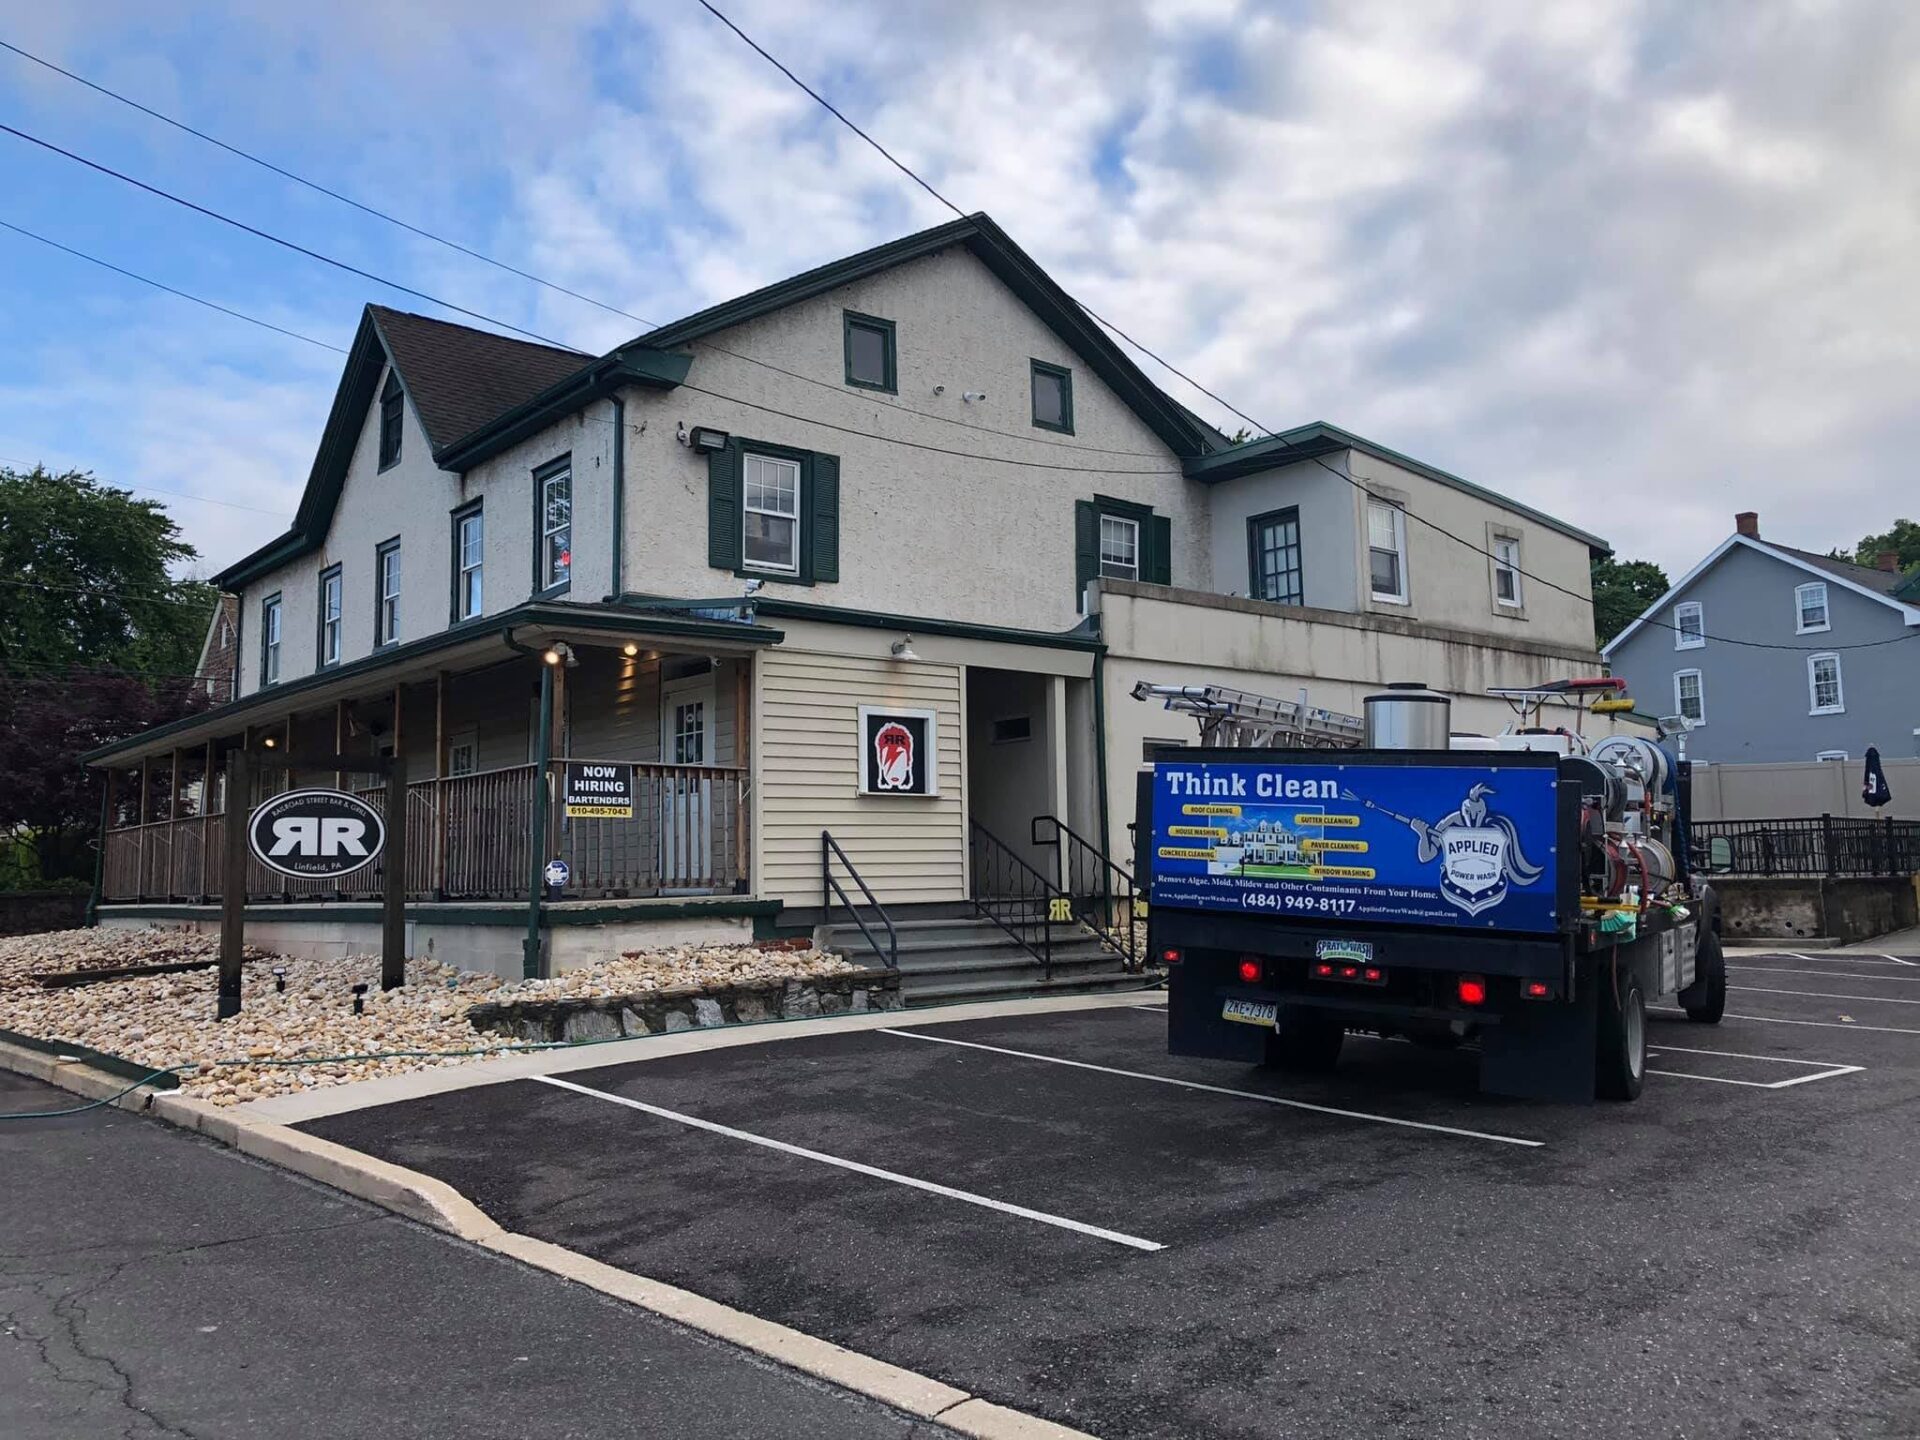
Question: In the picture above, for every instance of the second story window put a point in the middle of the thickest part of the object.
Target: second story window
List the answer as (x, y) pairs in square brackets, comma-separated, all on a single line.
[(1823, 685), (1810, 608), (1506, 571), (329, 638), (270, 640), (1689, 626), (1052, 397), (770, 515), (1690, 696), (870, 353), (1273, 553), (386, 609), (469, 550), (392, 404), (1387, 551), (1119, 548), (556, 526)]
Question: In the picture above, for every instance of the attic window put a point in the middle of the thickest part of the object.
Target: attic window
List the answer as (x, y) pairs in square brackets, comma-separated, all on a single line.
[(390, 403)]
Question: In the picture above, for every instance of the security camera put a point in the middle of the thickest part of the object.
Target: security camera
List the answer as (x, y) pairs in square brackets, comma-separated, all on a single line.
[(752, 587)]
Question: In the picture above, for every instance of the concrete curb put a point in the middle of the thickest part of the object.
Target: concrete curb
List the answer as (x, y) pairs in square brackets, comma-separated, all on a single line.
[(434, 1202)]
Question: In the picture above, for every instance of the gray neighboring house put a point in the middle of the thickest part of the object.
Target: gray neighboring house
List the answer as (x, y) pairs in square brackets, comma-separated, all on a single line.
[(1820, 698)]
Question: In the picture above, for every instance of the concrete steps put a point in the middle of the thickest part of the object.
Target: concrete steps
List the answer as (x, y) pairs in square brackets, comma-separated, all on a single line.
[(948, 959)]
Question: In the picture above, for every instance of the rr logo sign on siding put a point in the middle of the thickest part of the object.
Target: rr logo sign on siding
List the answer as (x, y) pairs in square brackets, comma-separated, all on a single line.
[(316, 834)]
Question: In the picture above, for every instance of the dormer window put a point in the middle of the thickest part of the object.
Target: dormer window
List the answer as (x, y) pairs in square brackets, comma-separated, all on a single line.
[(392, 398)]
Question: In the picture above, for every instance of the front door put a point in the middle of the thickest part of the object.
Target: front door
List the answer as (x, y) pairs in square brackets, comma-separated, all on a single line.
[(686, 798)]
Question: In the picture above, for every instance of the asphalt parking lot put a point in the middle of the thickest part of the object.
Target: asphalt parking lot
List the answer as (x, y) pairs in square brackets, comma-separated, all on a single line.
[(1050, 1211)]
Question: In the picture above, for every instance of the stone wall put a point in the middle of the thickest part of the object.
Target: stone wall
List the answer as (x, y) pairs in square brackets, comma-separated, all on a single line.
[(654, 1012), (34, 912)]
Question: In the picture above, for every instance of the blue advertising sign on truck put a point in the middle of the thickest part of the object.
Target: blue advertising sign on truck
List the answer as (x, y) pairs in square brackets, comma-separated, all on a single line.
[(1409, 844)]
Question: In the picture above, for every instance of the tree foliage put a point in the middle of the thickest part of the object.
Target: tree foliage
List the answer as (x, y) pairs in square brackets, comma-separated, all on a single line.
[(1622, 590), (98, 641), (1902, 538)]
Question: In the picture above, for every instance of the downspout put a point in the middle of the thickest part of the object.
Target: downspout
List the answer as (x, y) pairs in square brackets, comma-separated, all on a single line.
[(100, 850), (543, 755), (1100, 739), (618, 586)]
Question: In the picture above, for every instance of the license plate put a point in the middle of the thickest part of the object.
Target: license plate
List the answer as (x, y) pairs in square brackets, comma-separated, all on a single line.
[(1251, 1012)]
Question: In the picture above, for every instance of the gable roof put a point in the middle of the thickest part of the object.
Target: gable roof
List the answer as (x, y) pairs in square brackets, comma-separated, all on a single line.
[(1861, 579), (458, 378), (1307, 442)]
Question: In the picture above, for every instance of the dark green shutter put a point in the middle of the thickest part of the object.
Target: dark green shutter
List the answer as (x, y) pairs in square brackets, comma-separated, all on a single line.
[(1086, 546), (723, 508), (823, 509), (1159, 567)]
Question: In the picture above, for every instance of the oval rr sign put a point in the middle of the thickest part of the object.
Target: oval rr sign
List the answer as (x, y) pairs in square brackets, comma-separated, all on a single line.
[(316, 834)]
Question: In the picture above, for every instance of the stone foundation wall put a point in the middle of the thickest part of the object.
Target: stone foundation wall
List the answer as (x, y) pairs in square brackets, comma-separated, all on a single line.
[(654, 1012), (34, 912), (1846, 910)]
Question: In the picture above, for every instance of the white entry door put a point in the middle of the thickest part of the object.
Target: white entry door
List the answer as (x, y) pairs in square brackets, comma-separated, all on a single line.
[(686, 800)]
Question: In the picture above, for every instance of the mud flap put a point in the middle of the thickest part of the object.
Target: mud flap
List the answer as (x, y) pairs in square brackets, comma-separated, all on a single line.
[(1542, 1052), (1194, 1026)]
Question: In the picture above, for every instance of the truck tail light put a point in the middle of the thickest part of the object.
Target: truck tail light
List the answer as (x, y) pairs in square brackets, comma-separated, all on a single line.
[(1250, 971), (1170, 956), (1352, 974), (1472, 990), (1537, 990)]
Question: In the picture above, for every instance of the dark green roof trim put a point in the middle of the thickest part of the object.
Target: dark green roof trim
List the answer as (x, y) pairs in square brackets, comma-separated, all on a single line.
[(273, 699), (1308, 442), (1076, 639), (1182, 432), (653, 369)]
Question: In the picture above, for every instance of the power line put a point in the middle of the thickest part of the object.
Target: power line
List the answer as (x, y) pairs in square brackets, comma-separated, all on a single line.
[(299, 249), (153, 597), (145, 280)]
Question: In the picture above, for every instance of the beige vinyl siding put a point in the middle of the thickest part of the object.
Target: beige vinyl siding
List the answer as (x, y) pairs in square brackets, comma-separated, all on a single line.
[(909, 850)]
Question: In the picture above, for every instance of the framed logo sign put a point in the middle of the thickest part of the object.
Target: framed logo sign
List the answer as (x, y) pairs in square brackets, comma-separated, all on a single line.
[(316, 834), (899, 751)]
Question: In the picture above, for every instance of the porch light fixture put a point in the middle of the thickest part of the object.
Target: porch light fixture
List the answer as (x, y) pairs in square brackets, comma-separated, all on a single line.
[(560, 653), (903, 648), (629, 649), (706, 438), (268, 741)]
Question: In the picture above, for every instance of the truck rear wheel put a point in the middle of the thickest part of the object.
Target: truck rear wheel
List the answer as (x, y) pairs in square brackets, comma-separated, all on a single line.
[(1620, 1061), (1705, 1001), (1305, 1041)]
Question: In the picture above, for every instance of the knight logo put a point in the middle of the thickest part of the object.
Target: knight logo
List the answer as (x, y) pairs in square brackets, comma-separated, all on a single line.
[(1479, 853), (893, 757)]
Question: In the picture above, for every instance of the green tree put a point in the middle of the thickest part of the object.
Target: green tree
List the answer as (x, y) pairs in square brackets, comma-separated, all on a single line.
[(1902, 538), (1622, 590)]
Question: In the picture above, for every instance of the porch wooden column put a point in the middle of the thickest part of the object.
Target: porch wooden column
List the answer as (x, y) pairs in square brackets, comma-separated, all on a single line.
[(233, 889), (742, 758), (437, 871), (145, 814), (174, 792), (562, 743), (206, 824)]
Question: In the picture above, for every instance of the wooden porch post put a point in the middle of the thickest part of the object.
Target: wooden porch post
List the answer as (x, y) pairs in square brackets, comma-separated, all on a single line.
[(174, 792), (206, 823), (393, 918), (437, 878), (233, 890), (743, 759), (145, 814)]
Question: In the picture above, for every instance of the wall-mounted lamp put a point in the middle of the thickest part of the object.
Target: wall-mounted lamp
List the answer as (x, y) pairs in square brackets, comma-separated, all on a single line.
[(705, 438), (268, 741), (560, 653), (629, 649), (903, 648)]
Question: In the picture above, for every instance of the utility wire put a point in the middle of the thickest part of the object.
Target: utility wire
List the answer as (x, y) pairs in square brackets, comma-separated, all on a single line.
[(141, 597)]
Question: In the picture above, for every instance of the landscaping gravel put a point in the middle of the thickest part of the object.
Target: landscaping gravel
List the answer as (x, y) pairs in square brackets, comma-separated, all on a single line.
[(168, 1020)]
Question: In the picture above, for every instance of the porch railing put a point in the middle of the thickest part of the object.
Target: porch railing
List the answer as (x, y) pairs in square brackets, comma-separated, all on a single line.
[(1101, 891), (470, 837), (1013, 895)]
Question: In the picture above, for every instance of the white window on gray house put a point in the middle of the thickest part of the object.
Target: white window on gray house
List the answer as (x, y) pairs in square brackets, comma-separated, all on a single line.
[(330, 589), (1387, 551), (386, 612), (1689, 626), (1506, 570), (270, 640), (1689, 696), (470, 543), (770, 518), (1810, 607), (1119, 548), (1823, 685), (556, 528)]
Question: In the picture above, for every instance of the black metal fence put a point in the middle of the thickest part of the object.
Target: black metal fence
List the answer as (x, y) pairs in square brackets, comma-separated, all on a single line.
[(1821, 846)]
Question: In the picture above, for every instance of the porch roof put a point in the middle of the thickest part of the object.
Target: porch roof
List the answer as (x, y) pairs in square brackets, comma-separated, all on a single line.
[(463, 647)]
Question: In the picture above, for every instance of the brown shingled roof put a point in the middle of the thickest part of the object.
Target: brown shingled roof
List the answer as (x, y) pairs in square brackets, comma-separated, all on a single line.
[(459, 378), (1885, 582)]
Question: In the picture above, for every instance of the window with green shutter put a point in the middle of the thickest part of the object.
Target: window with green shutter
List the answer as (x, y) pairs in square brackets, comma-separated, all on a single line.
[(1120, 540), (773, 512)]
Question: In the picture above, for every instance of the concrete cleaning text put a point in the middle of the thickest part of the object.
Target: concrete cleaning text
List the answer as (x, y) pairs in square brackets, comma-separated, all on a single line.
[(1269, 785)]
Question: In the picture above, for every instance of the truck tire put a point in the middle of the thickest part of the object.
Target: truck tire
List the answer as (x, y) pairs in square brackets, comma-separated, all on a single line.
[(1305, 1041), (1620, 1061), (1705, 1001)]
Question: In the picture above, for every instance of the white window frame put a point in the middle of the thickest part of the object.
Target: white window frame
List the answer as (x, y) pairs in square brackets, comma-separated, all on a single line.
[(333, 607), (552, 578), (1403, 596), (469, 741), (272, 621), (1681, 639), (1814, 707), (747, 507), (1506, 561), (1840, 755), (1801, 593), (1700, 695), (1117, 569), (386, 607), (462, 571)]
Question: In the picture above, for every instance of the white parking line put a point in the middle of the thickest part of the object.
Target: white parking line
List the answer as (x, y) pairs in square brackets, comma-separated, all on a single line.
[(875, 1172), (1823, 995), (1837, 959), (1824, 1069), (1223, 1090), (1811, 974), (1150, 1009), (1779, 1020)]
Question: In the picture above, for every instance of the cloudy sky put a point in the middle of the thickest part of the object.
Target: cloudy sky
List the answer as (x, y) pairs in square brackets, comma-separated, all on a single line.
[(1637, 264)]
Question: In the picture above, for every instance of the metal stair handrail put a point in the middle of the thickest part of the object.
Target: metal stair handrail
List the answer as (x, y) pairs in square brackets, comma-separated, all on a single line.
[(1038, 892), (1118, 934), (830, 887)]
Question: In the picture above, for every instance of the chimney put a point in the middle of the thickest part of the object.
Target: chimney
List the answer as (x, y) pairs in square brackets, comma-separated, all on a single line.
[(1888, 560), (1747, 523)]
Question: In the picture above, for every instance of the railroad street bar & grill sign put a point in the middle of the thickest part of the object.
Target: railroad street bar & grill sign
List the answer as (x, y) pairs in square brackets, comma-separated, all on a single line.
[(597, 790), (316, 834)]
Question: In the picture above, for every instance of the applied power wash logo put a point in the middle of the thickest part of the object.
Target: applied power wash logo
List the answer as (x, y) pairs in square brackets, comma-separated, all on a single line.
[(893, 757), (1479, 852)]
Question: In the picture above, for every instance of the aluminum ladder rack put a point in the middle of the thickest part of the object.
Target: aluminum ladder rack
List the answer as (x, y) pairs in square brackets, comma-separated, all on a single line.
[(1239, 719)]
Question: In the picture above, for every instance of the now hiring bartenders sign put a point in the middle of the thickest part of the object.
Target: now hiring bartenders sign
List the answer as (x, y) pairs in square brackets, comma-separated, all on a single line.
[(597, 790)]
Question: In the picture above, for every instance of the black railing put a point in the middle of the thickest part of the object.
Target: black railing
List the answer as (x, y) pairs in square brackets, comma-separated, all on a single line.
[(1015, 896), (1101, 891), (830, 888), (1823, 845)]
